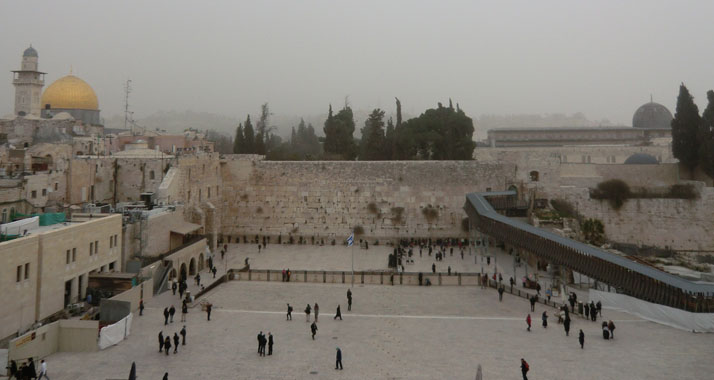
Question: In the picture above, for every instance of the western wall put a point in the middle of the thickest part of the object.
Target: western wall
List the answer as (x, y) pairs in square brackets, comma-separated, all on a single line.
[(326, 199)]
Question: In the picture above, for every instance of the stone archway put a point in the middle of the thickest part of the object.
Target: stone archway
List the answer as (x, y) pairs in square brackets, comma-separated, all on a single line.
[(200, 262), (192, 267), (184, 274)]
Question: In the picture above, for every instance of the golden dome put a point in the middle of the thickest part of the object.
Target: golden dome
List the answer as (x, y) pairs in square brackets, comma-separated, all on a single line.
[(70, 92)]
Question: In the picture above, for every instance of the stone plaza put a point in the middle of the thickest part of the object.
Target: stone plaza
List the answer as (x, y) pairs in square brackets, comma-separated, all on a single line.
[(392, 332)]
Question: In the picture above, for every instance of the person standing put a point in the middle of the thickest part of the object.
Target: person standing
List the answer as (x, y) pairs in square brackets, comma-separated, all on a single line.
[(289, 317), (214, 272), (566, 325), (349, 300), (317, 310), (166, 316), (183, 336), (174, 287), (598, 306), (611, 327), (544, 317), (307, 313), (339, 313), (166, 376), (184, 311), (500, 293), (141, 307), (208, 310), (167, 345), (172, 311), (581, 339), (528, 321), (43, 370), (533, 302), (161, 341), (433, 268), (270, 343), (313, 328), (31, 371), (338, 359), (524, 368), (587, 311), (260, 343), (512, 282), (176, 342)]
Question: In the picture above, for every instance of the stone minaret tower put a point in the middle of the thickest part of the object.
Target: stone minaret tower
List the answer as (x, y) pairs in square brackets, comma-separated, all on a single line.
[(28, 85)]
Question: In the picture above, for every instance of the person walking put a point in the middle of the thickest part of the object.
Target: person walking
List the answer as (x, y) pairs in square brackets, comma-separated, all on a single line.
[(349, 299), (581, 339), (544, 317), (167, 345), (198, 279), (611, 327), (43, 370), (176, 342), (184, 311), (500, 293), (141, 307), (598, 306), (270, 343), (566, 325), (307, 313), (587, 310), (528, 321), (313, 328), (183, 336), (214, 271), (338, 359), (172, 311), (533, 301), (161, 341), (512, 281), (174, 286), (317, 310), (166, 376), (433, 268), (208, 311), (339, 313), (32, 372), (289, 317), (166, 316), (524, 369)]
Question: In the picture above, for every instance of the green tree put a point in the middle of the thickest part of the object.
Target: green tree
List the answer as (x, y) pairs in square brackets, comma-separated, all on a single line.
[(441, 133), (249, 136), (706, 137), (339, 130), (262, 129), (239, 141), (685, 130), (389, 140), (372, 145)]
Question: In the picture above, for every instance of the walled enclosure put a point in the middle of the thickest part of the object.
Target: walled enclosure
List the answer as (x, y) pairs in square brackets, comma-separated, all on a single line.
[(326, 200)]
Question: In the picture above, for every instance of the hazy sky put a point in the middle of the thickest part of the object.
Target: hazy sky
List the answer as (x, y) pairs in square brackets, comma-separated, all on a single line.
[(603, 58)]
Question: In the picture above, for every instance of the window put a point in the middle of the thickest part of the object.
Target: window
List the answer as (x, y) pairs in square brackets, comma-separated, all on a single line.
[(91, 248), (68, 256), (44, 192), (27, 271), (19, 273), (34, 194), (111, 266), (4, 216), (96, 246), (116, 239), (209, 192), (151, 175), (189, 195), (111, 242), (534, 176), (74, 254), (56, 186)]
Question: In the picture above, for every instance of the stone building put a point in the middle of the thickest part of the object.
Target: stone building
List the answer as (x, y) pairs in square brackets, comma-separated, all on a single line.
[(49, 268), (651, 121), (74, 96)]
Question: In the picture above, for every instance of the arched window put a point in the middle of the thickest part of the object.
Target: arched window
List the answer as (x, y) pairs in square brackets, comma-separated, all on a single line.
[(4, 216), (534, 176)]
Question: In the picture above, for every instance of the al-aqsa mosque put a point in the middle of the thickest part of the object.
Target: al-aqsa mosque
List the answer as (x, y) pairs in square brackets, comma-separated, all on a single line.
[(65, 97)]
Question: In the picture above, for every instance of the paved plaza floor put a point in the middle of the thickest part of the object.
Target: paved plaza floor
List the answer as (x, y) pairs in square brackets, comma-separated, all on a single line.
[(393, 332)]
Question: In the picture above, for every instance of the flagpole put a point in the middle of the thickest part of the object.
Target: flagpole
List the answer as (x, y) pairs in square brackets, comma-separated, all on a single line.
[(353, 261)]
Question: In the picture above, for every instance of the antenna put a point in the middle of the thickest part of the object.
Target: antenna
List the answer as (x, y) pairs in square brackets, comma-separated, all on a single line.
[(127, 90)]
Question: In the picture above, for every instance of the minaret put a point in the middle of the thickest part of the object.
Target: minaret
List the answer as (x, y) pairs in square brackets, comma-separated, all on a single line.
[(28, 85)]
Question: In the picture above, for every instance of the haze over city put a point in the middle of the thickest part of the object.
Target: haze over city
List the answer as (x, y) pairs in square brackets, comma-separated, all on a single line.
[(603, 59)]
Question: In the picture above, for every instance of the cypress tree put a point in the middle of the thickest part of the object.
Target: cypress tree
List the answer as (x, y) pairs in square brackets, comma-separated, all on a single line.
[(706, 137), (239, 141), (372, 146), (685, 130), (249, 134)]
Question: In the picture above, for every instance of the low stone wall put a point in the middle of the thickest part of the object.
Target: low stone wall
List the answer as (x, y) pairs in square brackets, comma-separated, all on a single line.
[(137, 293), (60, 336)]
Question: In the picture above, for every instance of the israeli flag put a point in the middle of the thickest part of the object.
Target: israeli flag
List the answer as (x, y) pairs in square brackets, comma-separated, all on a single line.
[(350, 240)]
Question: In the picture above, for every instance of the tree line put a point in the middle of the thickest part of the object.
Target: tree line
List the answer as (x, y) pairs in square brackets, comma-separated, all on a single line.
[(442, 133), (692, 134)]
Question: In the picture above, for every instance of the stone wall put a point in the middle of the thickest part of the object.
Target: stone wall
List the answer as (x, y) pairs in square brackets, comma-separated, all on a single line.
[(327, 199)]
